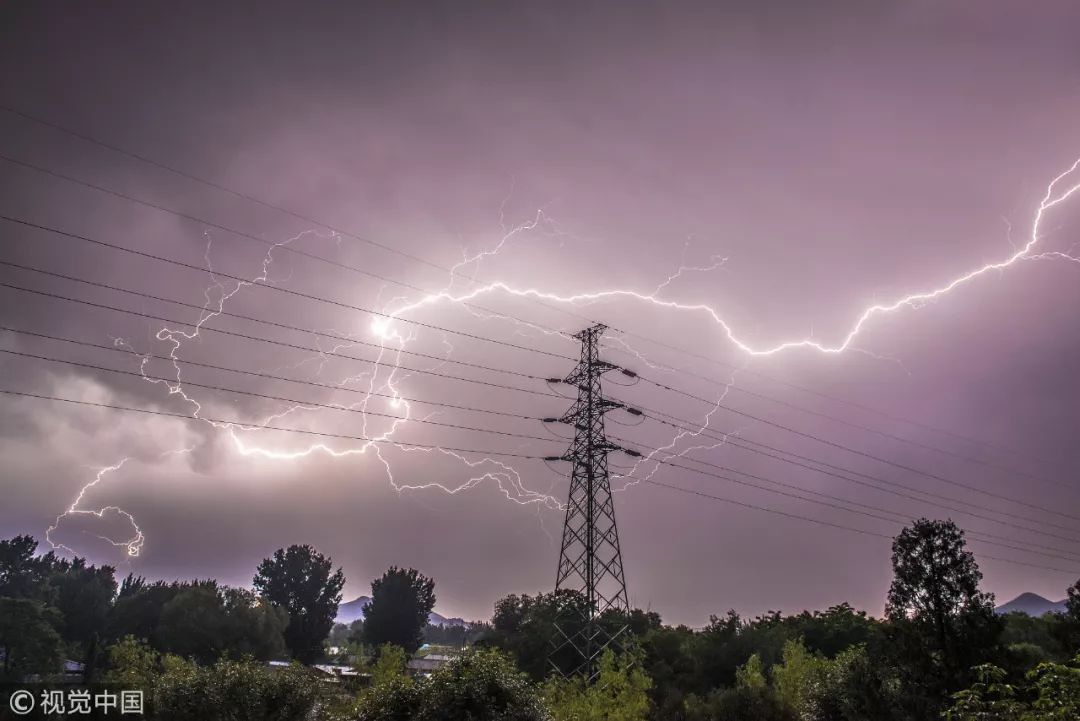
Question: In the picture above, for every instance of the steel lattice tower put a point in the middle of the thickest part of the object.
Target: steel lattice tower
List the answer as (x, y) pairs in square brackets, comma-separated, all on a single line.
[(590, 561)]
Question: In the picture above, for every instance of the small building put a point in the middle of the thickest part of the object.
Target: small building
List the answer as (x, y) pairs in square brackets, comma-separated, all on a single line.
[(331, 672), (429, 663)]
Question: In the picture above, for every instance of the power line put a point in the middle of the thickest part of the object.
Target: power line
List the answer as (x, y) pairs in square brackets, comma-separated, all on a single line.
[(820, 522), (836, 500), (265, 396), (305, 254), (275, 324), (312, 256), (270, 244), (150, 316), (479, 366), (680, 350), (332, 387), (486, 383), (516, 346), (664, 386), (217, 186), (727, 439), (867, 429), (268, 376), (864, 454), (307, 219), (818, 394), (262, 426), (288, 291), (188, 418)]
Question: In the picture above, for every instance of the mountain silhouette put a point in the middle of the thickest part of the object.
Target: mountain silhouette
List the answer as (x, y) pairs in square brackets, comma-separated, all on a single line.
[(353, 610), (1032, 604)]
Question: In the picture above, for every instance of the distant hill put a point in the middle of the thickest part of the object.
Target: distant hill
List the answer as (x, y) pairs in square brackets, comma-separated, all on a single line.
[(1032, 604), (353, 610)]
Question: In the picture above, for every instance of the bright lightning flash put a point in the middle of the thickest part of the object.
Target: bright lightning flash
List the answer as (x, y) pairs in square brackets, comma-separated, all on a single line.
[(385, 375)]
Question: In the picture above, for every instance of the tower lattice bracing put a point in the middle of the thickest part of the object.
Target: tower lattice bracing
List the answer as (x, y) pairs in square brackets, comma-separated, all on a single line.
[(590, 562)]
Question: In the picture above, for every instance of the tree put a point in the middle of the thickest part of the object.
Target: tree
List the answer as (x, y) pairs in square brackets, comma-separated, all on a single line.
[(299, 579), (1068, 633), (28, 639), (1031, 639), (22, 574), (83, 594), (718, 650), (479, 685), (192, 623), (854, 686), (620, 692), (389, 667), (1072, 601), (941, 623), (1056, 688), (401, 601), (669, 661), (252, 626), (1050, 692), (750, 700), (138, 607), (831, 631), (795, 678), (522, 626), (749, 675), (988, 699), (133, 664)]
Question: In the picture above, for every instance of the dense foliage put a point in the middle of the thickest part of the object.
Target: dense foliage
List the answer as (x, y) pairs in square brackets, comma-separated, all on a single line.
[(479, 685), (199, 649), (299, 580), (398, 611), (181, 690)]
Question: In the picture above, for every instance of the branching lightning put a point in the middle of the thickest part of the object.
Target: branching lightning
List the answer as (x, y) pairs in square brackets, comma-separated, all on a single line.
[(1054, 196), (132, 545), (385, 375)]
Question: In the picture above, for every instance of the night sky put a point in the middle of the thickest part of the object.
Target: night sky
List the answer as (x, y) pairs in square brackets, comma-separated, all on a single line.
[(800, 162)]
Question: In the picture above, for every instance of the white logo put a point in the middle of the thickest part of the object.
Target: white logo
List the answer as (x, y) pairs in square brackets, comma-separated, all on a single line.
[(21, 702)]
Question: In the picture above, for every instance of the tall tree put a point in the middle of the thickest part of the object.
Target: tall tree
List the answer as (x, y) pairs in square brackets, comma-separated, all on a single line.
[(22, 574), (942, 624), (1068, 630), (398, 611), (192, 623), (138, 607), (29, 643), (83, 594), (253, 627), (299, 579), (523, 626)]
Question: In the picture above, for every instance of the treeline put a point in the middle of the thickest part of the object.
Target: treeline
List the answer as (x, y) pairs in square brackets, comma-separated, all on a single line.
[(54, 610), (199, 649)]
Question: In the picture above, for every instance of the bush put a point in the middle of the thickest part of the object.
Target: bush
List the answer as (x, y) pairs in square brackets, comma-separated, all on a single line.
[(234, 691), (179, 690), (479, 685), (742, 703), (620, 692)]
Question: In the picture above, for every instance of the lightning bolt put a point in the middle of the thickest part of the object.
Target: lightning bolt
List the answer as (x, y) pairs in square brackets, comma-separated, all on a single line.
[(1054, 196), (132, 545), (385, 374)]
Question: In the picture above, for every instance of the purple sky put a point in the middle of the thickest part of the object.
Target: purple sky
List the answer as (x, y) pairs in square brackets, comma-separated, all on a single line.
[(834, 157)]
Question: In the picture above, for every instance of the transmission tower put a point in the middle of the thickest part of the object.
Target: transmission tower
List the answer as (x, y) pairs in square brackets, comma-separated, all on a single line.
[(590, 562)]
